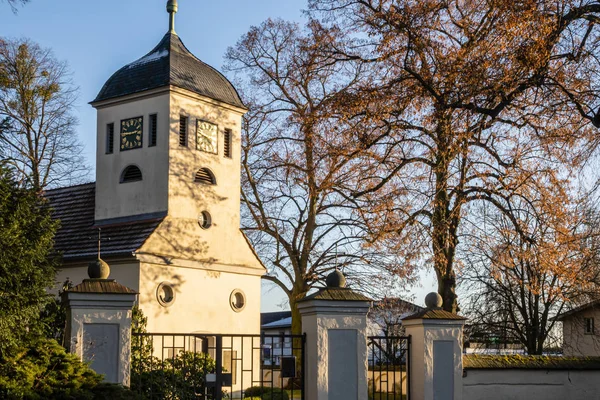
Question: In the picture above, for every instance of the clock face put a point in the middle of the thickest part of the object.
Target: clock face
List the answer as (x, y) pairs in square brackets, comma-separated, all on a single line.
[(206, 136), (131, 133)]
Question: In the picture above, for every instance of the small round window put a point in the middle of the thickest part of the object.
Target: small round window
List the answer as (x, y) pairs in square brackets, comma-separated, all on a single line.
[(205, 220), (237, 300), (165, 294)]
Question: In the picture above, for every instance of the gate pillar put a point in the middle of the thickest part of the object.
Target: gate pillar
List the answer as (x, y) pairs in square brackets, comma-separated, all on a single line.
[(99, 326), (435, 362), (334, 320)]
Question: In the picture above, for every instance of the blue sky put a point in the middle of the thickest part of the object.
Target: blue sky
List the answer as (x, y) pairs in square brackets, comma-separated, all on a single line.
[(96, 38)]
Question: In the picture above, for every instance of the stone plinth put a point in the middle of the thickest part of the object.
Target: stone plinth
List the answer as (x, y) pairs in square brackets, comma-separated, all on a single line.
[(435, 354), (99, 326), (335, 322)]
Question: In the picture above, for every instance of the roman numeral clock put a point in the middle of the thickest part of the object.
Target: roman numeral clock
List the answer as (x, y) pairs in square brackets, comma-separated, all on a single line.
[(131, 133)]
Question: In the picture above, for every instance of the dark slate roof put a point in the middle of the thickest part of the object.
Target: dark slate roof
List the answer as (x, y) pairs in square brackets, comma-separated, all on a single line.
[(561, 317), (344, 294), (430, 313), (77, 236), (482, 361), (170, 63), (101, 286), (268, 317)]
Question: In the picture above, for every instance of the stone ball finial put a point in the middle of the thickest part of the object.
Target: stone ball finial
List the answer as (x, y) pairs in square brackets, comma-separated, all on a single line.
[(433, 300), (335, 280), (98, 269)]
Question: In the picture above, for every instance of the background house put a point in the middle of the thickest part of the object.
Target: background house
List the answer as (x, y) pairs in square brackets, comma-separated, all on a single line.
[(580, 334)]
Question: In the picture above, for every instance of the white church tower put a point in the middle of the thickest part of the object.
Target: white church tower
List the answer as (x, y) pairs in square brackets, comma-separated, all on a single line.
[(167, 194)]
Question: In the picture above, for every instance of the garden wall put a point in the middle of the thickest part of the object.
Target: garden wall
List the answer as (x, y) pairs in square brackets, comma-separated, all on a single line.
[(531, 378)]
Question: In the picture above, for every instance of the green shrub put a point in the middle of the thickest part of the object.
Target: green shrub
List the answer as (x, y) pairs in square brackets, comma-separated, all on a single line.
[(266, 393), (44, 370)]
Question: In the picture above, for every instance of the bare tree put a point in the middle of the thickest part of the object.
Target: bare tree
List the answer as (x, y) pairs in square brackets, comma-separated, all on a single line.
[(515, 286), (15, 3), (477, 100), (295, 157), (37, 135)]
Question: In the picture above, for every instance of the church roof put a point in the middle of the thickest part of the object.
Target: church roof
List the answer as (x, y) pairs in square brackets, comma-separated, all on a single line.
[(170, 63), (77, 236)]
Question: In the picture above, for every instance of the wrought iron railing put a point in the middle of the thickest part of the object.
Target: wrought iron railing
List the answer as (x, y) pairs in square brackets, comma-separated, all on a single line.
[(211, 367), (388, 363)]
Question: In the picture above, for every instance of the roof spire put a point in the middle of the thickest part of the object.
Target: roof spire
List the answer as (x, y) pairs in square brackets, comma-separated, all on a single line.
[(172, 10)]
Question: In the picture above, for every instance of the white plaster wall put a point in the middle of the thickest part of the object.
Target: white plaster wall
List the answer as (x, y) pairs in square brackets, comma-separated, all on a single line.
[(507, 384), (114, 199), (576, 342), (201, 300)]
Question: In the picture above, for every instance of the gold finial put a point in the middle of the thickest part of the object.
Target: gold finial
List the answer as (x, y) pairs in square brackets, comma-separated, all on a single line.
[(172, 10)]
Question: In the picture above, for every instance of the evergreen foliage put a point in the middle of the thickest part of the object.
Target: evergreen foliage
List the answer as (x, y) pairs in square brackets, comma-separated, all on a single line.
[(27, 267), (44, 370)]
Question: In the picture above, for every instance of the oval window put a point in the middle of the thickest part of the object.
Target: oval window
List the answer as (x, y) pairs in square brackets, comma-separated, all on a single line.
[(165, 294), (204, 220), (237, 300)]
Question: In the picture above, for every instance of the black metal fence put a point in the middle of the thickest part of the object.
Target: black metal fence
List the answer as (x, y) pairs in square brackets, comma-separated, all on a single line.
[(212, 367), (388, 367)]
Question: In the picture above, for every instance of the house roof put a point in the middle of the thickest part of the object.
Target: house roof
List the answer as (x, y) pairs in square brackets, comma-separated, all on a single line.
[(268, 317), (282, 323), (592, 304), (170, 63), (77, 236)]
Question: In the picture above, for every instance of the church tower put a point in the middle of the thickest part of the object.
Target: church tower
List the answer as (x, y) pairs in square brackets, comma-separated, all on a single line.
[(167, 195), (168, 138)]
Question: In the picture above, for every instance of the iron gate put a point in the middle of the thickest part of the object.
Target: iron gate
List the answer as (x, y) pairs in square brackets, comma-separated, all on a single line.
[(389, 367), (213, 367)]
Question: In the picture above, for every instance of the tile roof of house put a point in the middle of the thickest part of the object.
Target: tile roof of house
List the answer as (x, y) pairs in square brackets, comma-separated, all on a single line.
[(170, 63), (268, 317), (77, 236), (592, 304)]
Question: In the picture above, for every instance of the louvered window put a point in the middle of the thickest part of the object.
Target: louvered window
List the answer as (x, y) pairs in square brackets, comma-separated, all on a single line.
[(183, 123), (153, 120), (110, 138), (131, 174), (227, 143), (205, 175)]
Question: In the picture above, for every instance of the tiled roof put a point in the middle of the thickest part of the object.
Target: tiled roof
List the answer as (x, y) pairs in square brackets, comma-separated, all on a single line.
[(77, 236), (101, 286), (343, 294), (430, 313), (584, 307), (170, 63)]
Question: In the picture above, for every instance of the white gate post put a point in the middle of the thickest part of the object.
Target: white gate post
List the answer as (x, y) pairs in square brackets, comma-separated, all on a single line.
[(335, 322), (435, 352), (99, 326)]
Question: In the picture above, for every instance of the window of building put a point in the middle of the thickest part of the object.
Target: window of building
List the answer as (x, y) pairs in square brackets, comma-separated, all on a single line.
[(589, 326), (153, 128), (237, 299), (110, 138), (227, 143), (165, 294), (205, 175), (204, 220), (183, 128), (131, 173)]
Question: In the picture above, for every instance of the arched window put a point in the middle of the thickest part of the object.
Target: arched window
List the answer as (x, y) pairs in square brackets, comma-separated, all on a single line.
[(205, 175), (131, 173)]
